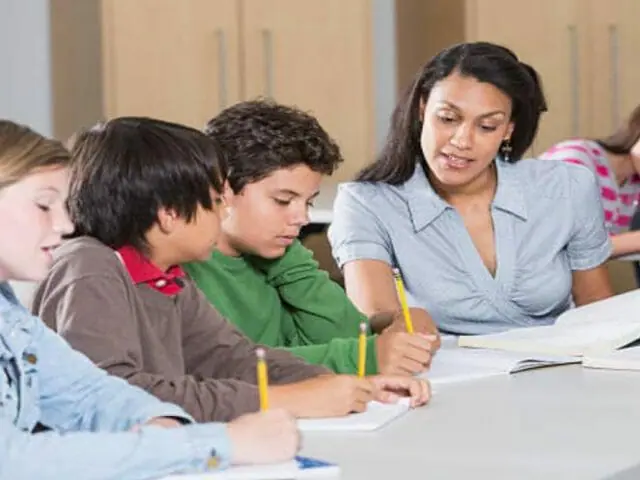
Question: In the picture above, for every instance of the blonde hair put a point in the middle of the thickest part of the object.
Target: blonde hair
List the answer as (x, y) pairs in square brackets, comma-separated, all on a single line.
[(23, 151)]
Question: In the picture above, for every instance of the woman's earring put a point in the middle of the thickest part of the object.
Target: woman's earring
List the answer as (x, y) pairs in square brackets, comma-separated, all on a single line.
[(505, 150)]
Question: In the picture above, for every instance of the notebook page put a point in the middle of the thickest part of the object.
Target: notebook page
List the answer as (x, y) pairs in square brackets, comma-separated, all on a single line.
[(376, 416)]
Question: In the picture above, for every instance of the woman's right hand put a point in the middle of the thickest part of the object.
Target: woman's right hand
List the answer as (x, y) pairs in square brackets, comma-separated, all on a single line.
[(402, 353)]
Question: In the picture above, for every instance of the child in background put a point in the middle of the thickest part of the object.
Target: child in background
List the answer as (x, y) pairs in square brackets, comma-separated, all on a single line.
[(615, 163)]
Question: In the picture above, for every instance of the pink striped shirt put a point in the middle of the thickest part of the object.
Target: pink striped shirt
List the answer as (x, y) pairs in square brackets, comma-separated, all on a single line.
[(619, 202)]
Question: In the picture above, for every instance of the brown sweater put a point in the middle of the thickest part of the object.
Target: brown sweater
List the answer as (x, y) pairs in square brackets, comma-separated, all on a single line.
[(179, 347)]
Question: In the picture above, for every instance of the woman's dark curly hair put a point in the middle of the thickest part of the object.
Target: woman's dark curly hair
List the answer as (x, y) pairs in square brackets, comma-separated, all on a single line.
[(259, 137)]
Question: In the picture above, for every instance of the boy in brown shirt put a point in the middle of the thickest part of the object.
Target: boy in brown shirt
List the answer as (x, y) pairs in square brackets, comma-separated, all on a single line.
[(145, 197)]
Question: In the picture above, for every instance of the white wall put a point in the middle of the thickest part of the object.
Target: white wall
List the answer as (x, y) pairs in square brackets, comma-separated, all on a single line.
[(25, 73), (25, 86), (384, 64)]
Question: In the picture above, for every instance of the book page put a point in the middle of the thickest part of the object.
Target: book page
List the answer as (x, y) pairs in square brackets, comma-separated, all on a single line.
[(619, 307), (574, 339), (600, 326), (452, 365), (625, 359)]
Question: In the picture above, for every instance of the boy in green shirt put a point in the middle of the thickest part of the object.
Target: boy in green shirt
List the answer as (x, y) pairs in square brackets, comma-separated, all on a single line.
[(262, 279)]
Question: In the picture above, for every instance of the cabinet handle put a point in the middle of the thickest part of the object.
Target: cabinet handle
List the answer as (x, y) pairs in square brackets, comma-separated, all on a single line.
[(267, 50), (614, 76), (574, 75), (222, 68)]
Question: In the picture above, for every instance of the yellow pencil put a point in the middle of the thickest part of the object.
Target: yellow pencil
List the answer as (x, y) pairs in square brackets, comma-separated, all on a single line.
[(362, 350), (403, 300), (263, 380)]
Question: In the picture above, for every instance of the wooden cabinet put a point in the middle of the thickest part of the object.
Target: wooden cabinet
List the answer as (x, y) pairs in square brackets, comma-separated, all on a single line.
[(319, 57), (584, 50), (186, 60), (550, 36), (179, 64), (615, 40)]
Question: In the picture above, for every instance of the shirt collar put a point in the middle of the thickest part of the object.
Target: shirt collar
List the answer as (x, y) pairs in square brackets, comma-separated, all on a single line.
[(425, 205), (142, 270), (8, 299), (509, 195)]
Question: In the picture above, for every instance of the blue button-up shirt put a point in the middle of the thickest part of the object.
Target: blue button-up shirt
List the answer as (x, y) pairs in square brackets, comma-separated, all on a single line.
[(548, 222), (43, 380)]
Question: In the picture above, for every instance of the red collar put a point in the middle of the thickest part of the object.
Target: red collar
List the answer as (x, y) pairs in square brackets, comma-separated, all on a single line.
[(142, 270)]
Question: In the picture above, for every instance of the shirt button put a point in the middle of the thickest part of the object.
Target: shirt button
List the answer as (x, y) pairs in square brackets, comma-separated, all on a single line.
[(161, 283), (31, 358)]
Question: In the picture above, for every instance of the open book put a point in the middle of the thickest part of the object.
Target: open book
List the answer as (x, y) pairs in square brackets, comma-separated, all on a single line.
[(601, 326), (453, 365), (625, 359), (376, 416), (301, 467)]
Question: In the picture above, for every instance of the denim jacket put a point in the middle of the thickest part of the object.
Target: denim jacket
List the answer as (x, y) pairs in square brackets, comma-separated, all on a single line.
[(44, 380)]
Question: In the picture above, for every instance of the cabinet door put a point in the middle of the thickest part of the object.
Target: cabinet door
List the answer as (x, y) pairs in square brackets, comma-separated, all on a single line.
[(550, 36), (316, 55), (616, 44), (178, 61)]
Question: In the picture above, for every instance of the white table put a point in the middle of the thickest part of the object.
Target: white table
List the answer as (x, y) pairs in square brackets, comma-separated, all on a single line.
[(555, 423)]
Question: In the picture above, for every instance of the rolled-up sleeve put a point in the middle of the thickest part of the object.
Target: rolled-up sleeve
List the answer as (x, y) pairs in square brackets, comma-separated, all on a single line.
[(356, 232), (92, 414), (153, 452), (589, 245)]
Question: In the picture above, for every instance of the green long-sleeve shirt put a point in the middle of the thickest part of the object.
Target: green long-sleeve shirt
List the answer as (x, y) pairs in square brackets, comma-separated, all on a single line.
[(287, 302)]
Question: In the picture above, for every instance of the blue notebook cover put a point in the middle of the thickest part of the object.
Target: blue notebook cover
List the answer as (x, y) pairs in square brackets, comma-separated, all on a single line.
[(310, 466)]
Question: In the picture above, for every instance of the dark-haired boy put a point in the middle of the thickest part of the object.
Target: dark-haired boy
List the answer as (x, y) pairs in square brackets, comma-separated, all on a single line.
[(261, 277)]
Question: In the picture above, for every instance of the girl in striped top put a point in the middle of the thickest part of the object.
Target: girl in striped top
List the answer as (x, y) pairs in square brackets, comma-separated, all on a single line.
[(615, 162)]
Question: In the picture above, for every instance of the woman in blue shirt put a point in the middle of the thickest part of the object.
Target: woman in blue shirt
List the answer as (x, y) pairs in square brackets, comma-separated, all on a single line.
[(99, 426), (485, 241)]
